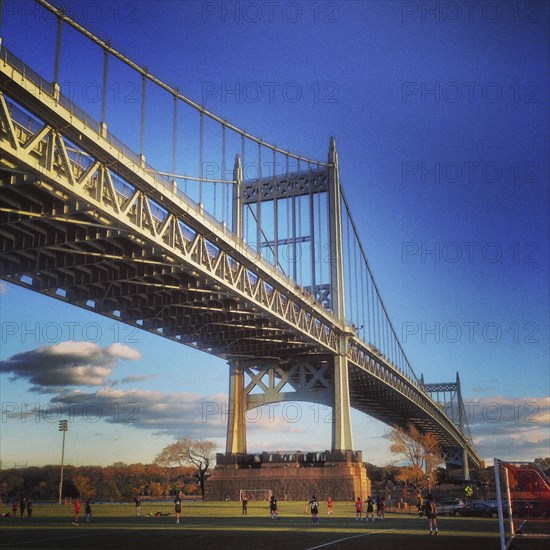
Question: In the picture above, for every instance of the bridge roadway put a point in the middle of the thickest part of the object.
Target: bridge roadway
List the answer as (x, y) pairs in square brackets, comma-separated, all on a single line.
[(86, 221)]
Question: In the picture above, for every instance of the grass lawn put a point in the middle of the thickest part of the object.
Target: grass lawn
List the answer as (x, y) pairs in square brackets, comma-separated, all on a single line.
[(217, 525)]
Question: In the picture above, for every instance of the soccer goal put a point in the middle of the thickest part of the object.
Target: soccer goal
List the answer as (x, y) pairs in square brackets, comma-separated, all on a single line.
[(255, 494), (523, 500)]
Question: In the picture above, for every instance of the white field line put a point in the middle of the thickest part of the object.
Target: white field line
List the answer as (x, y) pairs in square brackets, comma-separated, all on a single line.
[(349, 538)]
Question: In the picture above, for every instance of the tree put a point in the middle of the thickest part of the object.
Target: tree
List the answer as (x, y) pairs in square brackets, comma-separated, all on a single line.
[(422, 451), (83, 486), (196, 452)]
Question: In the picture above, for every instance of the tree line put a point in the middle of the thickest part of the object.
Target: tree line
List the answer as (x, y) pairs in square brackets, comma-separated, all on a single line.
[(181, 467), (118, 482), (184, 467)]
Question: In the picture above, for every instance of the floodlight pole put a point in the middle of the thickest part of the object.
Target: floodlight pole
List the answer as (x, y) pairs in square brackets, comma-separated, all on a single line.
[(63, 427)]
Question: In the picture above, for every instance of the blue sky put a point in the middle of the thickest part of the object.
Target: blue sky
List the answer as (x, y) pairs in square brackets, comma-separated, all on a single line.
[(441, 122)]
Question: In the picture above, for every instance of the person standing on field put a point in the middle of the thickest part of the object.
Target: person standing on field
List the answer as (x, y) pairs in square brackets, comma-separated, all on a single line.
[(430, 509), (137, 500), (177, 508), (88, 509), (273, 508), (314, 507), (22, 505), (358, 509), (76, 511), (370, 509)]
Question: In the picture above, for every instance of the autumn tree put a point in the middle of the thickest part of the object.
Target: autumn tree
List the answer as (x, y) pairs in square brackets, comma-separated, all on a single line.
[(421, 450), (83, 486), (198, 453)]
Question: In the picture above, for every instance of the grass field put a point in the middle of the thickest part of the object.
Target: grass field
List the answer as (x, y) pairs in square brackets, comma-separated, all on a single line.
[(217, 525)]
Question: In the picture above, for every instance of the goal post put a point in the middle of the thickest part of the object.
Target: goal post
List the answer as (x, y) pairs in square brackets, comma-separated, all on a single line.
[(523, 501), (255, 494)]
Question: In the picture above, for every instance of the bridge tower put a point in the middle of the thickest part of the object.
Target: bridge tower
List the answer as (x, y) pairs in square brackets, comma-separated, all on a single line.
[(448, 396), (318, 378)]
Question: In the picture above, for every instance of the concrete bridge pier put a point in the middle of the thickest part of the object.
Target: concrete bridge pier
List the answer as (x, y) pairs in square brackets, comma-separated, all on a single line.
[(338, 472)]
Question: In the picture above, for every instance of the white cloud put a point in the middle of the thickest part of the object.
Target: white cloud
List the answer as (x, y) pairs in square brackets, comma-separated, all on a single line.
[(180, 415), (508, 428), (67, 364)]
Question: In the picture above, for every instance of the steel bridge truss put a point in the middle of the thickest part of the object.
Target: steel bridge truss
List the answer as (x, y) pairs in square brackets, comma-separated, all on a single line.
[(85, 222)]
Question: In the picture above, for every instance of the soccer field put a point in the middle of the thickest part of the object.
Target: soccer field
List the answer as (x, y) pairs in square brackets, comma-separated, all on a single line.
[(217, 525)]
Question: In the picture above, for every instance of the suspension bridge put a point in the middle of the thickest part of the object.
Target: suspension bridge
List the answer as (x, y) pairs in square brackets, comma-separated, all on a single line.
[(234, 247)]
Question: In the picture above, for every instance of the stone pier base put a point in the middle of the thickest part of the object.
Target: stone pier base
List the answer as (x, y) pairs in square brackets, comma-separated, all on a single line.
[(291, 476)]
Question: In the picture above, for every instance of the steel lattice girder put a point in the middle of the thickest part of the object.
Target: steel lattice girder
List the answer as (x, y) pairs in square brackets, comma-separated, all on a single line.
[(134, 253)]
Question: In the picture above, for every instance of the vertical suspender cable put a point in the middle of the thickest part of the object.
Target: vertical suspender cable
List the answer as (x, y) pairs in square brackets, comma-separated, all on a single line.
[(245, 214), (387, 338), (259, 203), (298, 255), (379, 338), (57, 50), (174, 135), (321, 228), (215, 205), (312, 235), (363, 320), (375, 317), (1, 18), (348, 271), (142, 125), (275, 213), (201, 158), (356, 285), (104, 90), (225, 202), (370, 334), (293, 228), (288, 213)]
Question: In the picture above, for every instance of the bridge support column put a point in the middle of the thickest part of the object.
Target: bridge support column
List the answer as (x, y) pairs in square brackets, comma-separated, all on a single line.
[(236, 421), (465, 465), (342, 439)]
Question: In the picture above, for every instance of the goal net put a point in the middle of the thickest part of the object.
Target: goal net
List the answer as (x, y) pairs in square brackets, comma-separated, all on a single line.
[(255, 494), (523, 500)]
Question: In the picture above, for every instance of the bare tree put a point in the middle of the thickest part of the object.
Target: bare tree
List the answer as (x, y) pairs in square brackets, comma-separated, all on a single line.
[(196, 452), (421, 450)]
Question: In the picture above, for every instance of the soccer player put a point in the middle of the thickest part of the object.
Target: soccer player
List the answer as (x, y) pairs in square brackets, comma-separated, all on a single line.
[(329, 506), (358, 509), (76, 511), (177, 508), (273, 508), (88, 509), (314, 507), (370, 509), (137, 500), (430, 509), (382, 509)]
